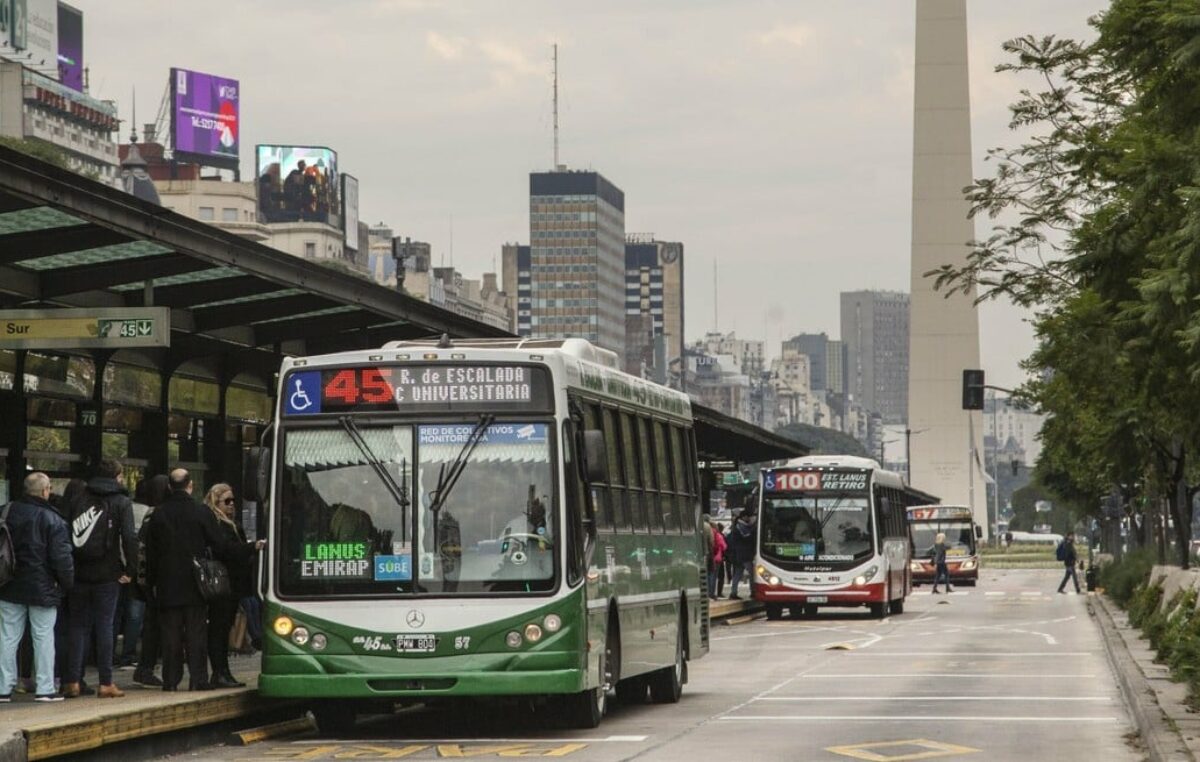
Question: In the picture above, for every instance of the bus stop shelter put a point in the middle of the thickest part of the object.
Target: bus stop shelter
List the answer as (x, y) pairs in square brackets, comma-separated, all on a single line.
[(227, 311)]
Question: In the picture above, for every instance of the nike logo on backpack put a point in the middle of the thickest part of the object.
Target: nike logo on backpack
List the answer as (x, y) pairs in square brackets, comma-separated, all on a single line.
[(83, 526)]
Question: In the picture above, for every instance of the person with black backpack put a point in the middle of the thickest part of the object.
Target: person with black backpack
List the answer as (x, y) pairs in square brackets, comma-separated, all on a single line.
[(105, 555), (1066, 553), (36, 568)]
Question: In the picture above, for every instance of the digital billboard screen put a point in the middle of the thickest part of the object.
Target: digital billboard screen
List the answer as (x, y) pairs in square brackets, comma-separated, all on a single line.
[(350, 210), (70, 46), (204, 116), (298, 184)]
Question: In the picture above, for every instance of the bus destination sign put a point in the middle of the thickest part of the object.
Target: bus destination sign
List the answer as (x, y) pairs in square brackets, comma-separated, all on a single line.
[(407, 387), (815, 481), (940, 513)]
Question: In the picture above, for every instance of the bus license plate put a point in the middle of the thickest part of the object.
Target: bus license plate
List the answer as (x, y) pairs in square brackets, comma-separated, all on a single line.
[(817, 599), (416, 644)]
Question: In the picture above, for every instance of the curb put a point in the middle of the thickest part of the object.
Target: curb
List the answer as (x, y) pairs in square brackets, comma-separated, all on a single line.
[(1163, 743)]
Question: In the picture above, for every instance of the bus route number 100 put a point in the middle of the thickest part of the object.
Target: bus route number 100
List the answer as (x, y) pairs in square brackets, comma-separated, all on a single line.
[(795, 481)]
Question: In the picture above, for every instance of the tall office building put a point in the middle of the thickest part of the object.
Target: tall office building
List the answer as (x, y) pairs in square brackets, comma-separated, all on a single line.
[(835, 367), (653, 305), (875, 333), (576, 259), (945, 328)]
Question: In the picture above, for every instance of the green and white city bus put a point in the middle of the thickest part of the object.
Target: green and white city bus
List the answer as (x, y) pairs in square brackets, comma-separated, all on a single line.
[(479, 518)]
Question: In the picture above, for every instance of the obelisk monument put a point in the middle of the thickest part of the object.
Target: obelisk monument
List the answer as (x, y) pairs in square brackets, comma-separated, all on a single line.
[(944, 333)]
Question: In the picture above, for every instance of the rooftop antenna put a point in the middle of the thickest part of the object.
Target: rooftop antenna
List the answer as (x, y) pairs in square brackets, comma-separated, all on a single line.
[(556, 165), (133, 126)]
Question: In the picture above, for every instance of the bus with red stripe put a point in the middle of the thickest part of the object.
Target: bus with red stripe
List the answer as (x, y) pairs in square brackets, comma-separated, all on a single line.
[(957, 522), (833, 531)]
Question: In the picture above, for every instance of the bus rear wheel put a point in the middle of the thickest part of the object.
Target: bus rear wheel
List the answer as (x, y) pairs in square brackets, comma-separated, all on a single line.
[(334, 718), (666, 685)]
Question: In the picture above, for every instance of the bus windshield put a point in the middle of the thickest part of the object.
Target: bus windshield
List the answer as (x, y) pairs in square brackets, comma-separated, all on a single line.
[(345, 531), (829, 528), (495, 530), (960, 537)]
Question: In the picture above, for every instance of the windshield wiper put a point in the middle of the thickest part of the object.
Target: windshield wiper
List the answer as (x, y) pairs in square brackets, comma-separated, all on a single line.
[(398, 493), (448, 477)]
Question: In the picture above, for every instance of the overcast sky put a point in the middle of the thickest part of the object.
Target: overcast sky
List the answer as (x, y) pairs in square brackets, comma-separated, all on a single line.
[(773, 138)]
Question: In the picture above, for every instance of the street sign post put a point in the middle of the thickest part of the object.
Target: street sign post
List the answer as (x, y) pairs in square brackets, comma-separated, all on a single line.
[(99, 328)]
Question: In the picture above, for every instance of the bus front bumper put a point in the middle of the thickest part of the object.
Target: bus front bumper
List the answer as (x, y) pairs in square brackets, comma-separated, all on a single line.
[(957, 573), (845, 596), (354, 676)]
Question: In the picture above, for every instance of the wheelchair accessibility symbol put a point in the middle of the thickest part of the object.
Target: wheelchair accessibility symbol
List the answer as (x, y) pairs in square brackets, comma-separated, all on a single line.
[(299, 399)]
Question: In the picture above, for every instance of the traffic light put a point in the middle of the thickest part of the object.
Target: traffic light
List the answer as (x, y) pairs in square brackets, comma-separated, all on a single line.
[(972, 390)]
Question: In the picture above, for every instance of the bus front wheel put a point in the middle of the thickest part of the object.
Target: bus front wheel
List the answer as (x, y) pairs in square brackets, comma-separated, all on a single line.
[(898, 606), (878, 610), (774, 611)]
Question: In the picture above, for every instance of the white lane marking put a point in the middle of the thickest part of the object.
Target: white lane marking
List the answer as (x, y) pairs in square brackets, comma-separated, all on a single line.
[(608, 739), (802, 631), (972, 654), (1101, 699), (870, 641), (972, 676), (909, 718)]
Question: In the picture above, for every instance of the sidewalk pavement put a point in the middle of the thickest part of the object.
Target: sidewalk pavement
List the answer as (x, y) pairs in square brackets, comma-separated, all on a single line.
[(30, 730), (1169, 730)]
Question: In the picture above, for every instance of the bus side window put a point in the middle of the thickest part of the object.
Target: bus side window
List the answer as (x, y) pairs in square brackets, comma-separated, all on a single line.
[(693, 464), (618, 493), (683, 487), (666, 477), (576, 495), (653, 507), (629, 452), (593, 419)]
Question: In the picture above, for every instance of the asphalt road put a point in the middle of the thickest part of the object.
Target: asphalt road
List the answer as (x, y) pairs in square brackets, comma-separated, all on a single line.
[(1007, 670)]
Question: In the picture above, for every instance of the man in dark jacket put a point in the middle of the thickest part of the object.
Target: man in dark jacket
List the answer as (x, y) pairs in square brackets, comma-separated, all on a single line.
[(44, 570), (1070, 558), (741, 544), (182, 529), (105, 555)]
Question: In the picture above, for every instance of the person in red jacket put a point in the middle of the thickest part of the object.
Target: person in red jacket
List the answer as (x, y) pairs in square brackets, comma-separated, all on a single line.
[(716, 567)]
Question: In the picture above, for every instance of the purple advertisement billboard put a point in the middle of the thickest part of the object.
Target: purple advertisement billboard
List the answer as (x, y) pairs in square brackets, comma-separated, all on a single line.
[(70, 47), (204, 116), (298, 184)]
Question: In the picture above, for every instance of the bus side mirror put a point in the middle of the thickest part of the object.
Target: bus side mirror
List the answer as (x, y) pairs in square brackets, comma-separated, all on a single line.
[(978, 532), (256, 474), (595, 456)]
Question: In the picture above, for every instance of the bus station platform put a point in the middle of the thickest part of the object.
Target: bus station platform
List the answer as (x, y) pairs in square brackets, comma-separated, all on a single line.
[(32, 731)]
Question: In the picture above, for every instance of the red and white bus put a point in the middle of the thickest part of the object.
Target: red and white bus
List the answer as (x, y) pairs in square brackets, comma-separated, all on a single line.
[(957, 522), (833, 531)]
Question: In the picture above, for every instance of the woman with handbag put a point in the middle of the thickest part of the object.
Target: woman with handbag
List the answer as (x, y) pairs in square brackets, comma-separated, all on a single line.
[(185, 552), (223, 610)]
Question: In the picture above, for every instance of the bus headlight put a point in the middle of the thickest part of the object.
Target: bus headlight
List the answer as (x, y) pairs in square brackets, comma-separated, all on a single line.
[(283, 626), (552, 623), (968, 565), (533, 633), (300, 636), (866, 576), (761, 571), (773, 580), (513, 639), (319, 642)]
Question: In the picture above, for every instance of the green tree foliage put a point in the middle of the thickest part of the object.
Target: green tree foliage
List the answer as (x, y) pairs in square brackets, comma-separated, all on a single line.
[(822, 441), (38, 149), (1097, 228)]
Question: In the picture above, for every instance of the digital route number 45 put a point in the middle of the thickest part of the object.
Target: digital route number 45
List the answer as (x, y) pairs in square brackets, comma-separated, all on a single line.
[(361, 385)]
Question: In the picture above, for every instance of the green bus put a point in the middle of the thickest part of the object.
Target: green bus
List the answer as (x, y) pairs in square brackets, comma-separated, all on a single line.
[(475, 518)]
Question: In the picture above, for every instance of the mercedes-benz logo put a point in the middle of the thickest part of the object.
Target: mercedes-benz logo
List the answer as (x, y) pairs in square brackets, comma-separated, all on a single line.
[(415, 619)]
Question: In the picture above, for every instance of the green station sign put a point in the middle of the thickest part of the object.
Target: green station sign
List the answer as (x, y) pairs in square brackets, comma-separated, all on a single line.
[(99, 328)]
